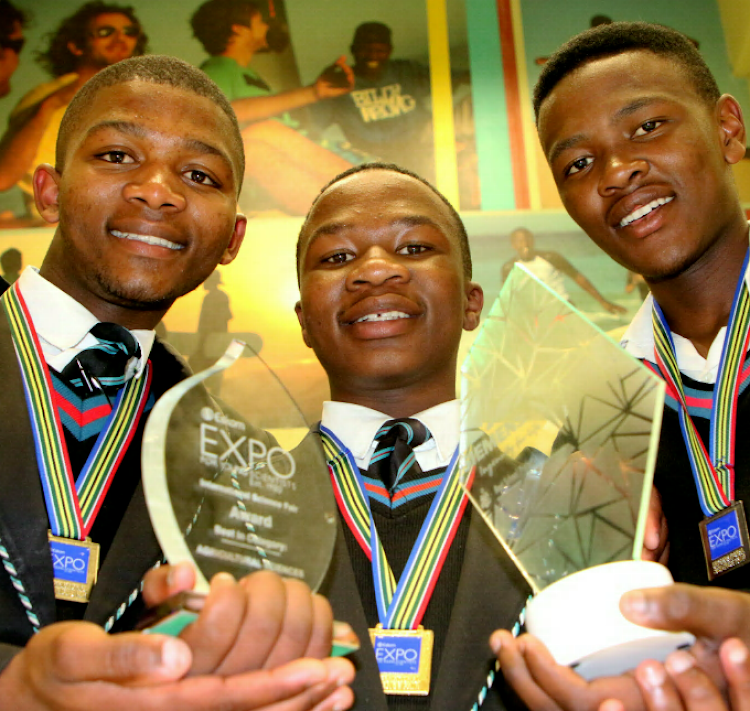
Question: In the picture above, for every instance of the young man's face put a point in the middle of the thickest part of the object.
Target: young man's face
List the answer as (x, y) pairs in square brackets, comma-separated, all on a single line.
[(112, 37), (383, 297), (641, 160), (9, 59), (371, 57), (146, 200)]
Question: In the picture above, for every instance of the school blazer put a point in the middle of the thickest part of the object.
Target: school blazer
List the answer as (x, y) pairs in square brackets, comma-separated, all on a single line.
[(491, 594), (23, 516)]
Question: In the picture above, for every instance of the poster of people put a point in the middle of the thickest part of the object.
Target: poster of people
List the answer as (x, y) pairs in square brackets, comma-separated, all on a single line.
[(441, 87)]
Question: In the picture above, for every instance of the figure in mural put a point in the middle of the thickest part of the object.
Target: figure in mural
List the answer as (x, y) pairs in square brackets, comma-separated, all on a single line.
[(11, 262), (287, 168), (96, 35), (214, 318), (12, 21), (387, 115), (551, 268)]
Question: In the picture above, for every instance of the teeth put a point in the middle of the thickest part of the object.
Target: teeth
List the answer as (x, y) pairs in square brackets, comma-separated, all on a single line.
[(387, 316), (644, 210), (147, 239)]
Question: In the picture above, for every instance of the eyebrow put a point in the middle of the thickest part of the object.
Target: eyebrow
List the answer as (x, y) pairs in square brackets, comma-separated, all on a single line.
[(621, 113), (332, 228), (134, 129)]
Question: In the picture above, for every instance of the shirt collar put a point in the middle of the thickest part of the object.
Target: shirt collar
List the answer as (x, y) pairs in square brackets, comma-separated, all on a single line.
[(638, 340), (356, 427), (63, 324)]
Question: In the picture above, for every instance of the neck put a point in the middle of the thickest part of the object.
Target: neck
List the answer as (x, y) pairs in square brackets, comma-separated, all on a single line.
[(697, 303), (241, 55), (85, 72), (131, 316), (396, 402)]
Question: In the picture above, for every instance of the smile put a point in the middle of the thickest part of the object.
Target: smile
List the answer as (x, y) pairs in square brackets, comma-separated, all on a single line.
[(644, 210), (147, 239), (385, 316)]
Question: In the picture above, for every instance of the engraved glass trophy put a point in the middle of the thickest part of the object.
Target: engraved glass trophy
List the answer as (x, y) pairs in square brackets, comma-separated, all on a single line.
[(238, 484), (559, 433)]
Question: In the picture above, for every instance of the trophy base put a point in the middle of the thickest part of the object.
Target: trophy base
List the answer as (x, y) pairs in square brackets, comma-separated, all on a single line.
[(579, 620)]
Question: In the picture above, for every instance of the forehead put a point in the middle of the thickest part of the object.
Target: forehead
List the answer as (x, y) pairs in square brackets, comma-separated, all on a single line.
[(111, 18), (374, 200), (162, 111), (601, 88)]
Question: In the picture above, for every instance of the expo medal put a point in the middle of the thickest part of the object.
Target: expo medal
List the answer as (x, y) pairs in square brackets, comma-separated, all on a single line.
[(403, 648), (724, 530), (72, 505)]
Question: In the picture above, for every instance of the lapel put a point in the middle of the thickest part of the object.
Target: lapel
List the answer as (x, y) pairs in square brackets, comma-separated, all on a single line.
[(340, 588), (491, 594), (134, 548), (23, 516)]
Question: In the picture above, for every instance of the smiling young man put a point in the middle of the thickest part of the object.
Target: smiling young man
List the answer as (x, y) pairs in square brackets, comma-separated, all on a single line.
[(644, 166), (385, 293), (149, 165)]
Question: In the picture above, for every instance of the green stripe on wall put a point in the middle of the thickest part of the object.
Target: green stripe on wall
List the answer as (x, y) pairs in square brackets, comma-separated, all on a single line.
[(490, 113)]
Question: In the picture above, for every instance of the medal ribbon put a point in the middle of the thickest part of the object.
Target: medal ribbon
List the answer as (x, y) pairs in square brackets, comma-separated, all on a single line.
[(71, 506), (402, 605), (713, 471)]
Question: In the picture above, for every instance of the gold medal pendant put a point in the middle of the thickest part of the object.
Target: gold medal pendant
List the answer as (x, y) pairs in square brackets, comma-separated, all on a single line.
[(725, 540), (404, 658), (75, 565)]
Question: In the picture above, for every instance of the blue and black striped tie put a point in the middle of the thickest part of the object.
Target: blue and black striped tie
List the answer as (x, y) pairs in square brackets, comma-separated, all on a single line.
[(102, 367), (393, 460)]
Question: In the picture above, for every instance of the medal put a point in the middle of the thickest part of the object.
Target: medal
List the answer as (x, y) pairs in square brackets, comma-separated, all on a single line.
[(72, 504), (725, 540), (75, 565), (724, 529), (404, 658), (403, 648)]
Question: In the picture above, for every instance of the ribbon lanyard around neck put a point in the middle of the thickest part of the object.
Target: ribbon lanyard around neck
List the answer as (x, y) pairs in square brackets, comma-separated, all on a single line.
[(402, 605), (72, 505), (713, 471)]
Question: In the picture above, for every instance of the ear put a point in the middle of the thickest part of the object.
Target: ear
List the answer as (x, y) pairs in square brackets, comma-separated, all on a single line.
[(74, 49), (46, 182), (731, 128), (473, 307), (301, 319), (238, 235)]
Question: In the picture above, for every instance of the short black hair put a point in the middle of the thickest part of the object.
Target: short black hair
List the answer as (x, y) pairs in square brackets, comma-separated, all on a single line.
[(10, 16), (158, 69), (59, 60), (463, 239), (372, 32), (610, 39), (212, 22)]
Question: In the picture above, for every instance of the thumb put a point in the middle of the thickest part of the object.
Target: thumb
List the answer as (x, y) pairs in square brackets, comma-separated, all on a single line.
[(79, 652)]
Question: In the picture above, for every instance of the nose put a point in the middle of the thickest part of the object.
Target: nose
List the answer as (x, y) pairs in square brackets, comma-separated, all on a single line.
[(156, 188), (620, 171), (376, 267)]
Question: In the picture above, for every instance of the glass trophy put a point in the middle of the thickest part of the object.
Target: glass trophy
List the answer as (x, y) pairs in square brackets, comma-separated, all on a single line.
[(559, 433), (238, 484)]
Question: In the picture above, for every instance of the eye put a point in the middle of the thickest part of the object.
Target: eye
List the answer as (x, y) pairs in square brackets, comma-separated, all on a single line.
[(647, 127), (338, 258), (115, 157), (198, 176), (578, 165), (413, 249)]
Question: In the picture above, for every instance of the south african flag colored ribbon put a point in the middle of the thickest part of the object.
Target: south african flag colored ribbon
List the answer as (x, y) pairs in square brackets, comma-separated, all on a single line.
[(400, 605), (713, 471), (72, 505)]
